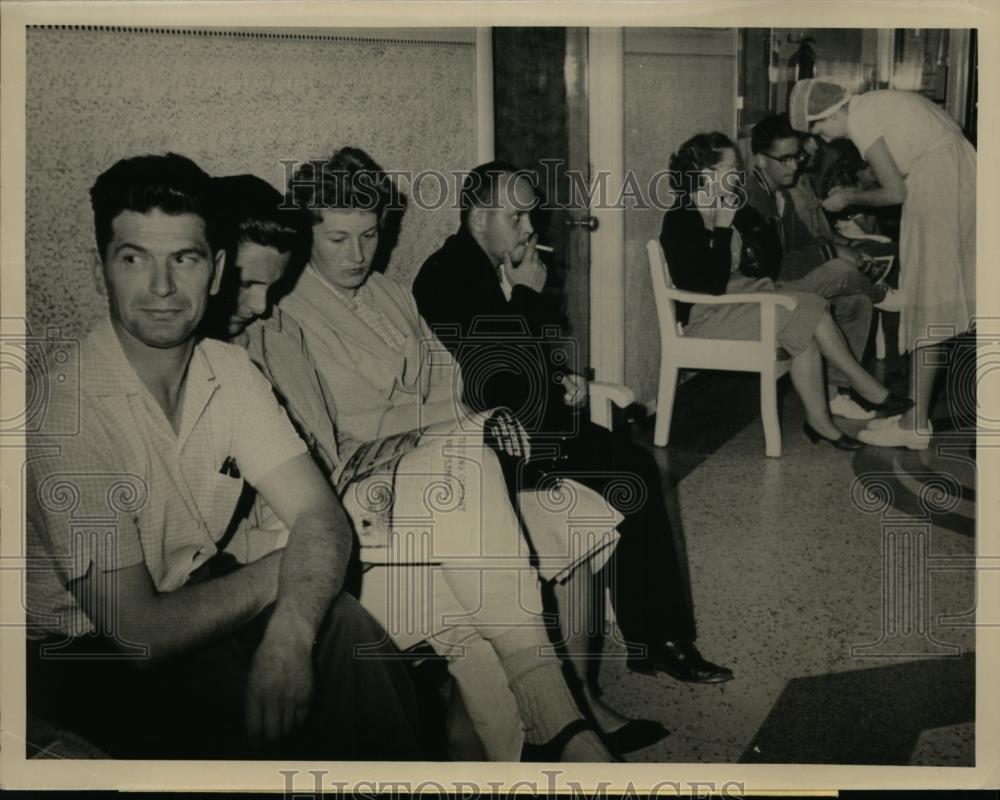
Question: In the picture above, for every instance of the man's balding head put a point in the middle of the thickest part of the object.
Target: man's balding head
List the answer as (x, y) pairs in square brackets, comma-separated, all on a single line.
[(497, 199)]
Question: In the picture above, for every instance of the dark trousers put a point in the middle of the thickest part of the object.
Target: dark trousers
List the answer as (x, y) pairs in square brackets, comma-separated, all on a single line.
[(192, 706), (648, 588)]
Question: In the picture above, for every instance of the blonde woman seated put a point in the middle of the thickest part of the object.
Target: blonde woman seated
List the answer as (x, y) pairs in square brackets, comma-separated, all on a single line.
[(704, 249), (424, 499)]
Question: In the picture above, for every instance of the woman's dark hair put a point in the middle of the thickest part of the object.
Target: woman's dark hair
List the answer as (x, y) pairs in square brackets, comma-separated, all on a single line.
[(700, 152), (350, 179)]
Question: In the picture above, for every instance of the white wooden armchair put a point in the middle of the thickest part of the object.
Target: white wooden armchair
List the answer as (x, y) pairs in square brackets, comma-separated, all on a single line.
[(678, 351)]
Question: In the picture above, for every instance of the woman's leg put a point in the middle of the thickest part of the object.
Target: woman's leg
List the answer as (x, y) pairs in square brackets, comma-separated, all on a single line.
[(807, 377), (834, 348), (476, 537), (923, 376), (413, 602), (579, 626)]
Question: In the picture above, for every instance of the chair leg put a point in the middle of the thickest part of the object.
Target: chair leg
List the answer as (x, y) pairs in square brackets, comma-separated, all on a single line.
[(769, 413), (665, 405)]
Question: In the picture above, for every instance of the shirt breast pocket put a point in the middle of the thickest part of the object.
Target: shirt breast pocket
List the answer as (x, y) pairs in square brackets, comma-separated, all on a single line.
[(219, 496)]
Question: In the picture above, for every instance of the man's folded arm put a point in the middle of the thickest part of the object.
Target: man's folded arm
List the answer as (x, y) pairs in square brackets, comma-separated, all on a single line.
[(276, 463), (319, 542), (174, 622)]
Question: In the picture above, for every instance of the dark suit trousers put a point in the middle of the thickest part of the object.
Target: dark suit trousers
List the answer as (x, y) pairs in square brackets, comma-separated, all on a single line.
[(192, 706), (649, 593)]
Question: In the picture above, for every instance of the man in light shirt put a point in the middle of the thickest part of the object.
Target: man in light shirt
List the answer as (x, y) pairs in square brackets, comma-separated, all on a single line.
[(145, 639)]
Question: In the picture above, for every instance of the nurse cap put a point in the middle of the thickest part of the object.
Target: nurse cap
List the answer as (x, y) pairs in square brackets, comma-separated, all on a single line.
[(813, 99)]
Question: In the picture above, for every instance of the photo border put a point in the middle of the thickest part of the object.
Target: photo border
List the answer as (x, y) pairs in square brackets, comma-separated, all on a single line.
[(17, 772)]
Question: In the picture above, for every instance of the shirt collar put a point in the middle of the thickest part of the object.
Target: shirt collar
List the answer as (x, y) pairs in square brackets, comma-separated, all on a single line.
[(473, 250), (350, 302), (107, 370), (271, 321), (758, 173)]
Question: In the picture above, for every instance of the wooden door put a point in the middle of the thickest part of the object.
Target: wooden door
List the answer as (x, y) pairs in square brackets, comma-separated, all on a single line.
[(541, 123)]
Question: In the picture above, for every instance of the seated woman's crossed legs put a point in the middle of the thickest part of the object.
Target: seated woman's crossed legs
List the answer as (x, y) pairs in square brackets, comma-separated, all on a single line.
[(454, 568)]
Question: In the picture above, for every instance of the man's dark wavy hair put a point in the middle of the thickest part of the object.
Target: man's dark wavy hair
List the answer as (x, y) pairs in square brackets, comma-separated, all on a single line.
[(171, 183), (771, 129), (250, 210)]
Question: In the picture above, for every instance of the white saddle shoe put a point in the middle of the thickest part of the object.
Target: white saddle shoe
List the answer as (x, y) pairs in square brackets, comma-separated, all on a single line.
[(889, 433), (843, 406)]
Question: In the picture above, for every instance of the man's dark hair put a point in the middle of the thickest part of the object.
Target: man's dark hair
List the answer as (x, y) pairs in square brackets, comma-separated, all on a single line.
[(481, 186), (171, 183), (349, 180), (769, 130), (250, 210)]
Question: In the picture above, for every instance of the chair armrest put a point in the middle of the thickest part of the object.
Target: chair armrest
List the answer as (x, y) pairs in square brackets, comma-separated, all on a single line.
[(605, 395), (764, 298), (618, 394)]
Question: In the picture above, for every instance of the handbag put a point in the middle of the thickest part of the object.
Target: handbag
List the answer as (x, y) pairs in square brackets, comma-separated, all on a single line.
[(760, 251)]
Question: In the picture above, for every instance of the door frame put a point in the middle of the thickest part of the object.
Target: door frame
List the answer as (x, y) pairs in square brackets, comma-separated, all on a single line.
[(606, 82), (485, 143)]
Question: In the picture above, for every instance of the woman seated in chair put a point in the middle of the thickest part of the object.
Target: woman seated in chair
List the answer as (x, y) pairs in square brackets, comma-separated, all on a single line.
[(707, 237)]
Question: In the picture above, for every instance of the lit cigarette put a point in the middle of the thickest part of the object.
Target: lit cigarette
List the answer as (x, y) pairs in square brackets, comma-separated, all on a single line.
[(544, 248)]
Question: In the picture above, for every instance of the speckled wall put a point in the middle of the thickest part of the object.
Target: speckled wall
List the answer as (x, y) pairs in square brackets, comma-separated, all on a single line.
[(669, 96), (233, 104)]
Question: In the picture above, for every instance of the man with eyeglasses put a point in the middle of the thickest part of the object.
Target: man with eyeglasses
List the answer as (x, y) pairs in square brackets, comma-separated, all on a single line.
[(810, 263)]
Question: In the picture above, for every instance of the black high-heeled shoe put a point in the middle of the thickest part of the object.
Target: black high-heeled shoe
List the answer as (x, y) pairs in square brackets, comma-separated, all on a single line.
[(893, 405), (634, 735), (845, 442), (552, 750)]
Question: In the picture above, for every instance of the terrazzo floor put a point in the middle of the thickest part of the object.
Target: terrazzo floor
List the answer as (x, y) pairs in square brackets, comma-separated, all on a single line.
[(838, 591)]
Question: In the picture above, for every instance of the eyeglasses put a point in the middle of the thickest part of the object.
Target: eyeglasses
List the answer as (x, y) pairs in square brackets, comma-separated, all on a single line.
[(791, 160)]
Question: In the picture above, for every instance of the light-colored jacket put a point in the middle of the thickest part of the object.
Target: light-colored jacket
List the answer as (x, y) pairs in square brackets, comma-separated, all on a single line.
[(278, 347), (379, 391)]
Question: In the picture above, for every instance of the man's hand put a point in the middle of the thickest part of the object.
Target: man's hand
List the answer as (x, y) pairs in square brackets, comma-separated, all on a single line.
[(502, 429), (530, 272), (849, 254), (280, 683), (576, 390), (724, 216)]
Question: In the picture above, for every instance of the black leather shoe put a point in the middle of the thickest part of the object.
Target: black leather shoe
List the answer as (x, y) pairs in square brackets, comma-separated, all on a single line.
[(681, 661), (845, 442), (892, 405)]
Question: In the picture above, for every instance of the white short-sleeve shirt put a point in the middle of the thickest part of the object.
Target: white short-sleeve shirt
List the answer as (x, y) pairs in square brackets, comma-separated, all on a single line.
[(128, 489)]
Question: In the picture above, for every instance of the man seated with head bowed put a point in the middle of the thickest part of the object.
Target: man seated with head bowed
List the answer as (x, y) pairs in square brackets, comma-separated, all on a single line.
[(146, 639), (810, 263), (494, 643), (483, 294)]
